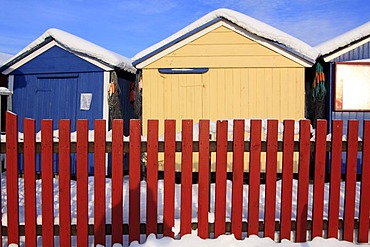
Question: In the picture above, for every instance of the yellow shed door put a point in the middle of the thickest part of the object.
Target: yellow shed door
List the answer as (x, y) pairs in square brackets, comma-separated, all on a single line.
[(183, 97)]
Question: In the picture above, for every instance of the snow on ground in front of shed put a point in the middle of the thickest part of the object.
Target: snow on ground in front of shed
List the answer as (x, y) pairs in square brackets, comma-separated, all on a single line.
[(186, 240), (246, 22), (344, 39), (82, 47)]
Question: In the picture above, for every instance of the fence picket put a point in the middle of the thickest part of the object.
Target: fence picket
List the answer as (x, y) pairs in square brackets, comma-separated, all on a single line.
[(47, 182), (82, 188), (220, 190), (64, 183), (254, 177), (12, 177), (169, 178), (287, 180), (117, 179), (271, 169), (99, 182), (152, 178), (134, 183), (363, 228), (303, 179), (237, 186), (319, 179), (203, 182), (186, 177), (30, 181), (350, 190), (335, 171)]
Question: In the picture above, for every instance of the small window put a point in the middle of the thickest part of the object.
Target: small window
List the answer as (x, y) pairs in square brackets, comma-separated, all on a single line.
[(352, 86), (183, 71)]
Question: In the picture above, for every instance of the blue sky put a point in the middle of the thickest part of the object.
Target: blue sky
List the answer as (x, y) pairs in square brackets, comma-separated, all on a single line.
[(129, 26)]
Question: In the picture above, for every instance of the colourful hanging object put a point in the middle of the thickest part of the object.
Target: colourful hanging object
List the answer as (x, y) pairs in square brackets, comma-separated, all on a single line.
[(319, 90)]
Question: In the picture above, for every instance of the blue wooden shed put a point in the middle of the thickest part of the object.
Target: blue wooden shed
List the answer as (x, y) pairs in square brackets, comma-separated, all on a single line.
[(348, 94), (61, 76)]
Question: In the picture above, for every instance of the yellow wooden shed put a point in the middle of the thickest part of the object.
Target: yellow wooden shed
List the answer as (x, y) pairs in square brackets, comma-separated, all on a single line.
[(224, 65)]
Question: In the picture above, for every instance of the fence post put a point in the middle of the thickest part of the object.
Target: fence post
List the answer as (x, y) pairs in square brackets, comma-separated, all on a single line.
[(203, 180), (12, 177), (30, 182), (99, 181), (319, 179), (271, 169), (351, 172), (287, 180), (254, 177), (238, 176), (169, 177), (152, 178), (221, 165), (363, 228), (335, 171), (82, 188), (134, 183), (47, 182), (303, 180), (117, 178), (64, 183)]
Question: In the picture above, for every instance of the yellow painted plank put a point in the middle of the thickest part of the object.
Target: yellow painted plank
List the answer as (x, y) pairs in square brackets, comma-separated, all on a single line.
[(252, 49), (225, 62), (222, 38)]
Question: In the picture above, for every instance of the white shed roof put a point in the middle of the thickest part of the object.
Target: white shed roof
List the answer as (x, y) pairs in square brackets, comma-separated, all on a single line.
[(80, 47), (247, 23)]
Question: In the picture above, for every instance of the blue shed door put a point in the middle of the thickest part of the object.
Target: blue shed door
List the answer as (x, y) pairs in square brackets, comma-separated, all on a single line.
[(56, 99)]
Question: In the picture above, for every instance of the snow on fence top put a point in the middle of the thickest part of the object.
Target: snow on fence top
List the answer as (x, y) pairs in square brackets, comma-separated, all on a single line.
[(81, 47), (246, 22), (212, 132)]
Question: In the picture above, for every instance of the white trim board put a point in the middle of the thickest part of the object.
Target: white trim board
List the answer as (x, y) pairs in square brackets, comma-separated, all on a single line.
[(269, 44), (330, 57), (44, 49)]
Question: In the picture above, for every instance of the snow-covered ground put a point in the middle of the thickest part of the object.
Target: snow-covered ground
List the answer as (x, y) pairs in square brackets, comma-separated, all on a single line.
[(186, 240)]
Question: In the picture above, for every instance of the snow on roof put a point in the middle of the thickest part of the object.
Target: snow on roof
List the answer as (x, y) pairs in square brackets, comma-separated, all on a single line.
[(344, 39), (4, 57), (81, 47), (246, 22)]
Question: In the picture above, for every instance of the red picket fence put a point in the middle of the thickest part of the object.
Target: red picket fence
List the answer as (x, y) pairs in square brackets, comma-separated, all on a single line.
[(117, 147)]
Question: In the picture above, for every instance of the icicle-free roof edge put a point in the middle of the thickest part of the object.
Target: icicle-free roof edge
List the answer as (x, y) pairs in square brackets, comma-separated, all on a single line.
[(344, 39), (248, 23), (79, 46)]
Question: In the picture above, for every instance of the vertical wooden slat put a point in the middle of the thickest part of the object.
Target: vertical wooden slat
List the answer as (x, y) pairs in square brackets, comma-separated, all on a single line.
[(303, 179), (82, 188), (351, 170), (221, 165), (64, 183), (287, 180), (254, 177), (238, 171), (152, 178), (319, 179), (12, 177), (99, 182), (134, 184), (363, 228), (169, 178), (30, 182), (117, 180), (203, 169), (335, 174), (47, 182), (271, 169), (186, 177)]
